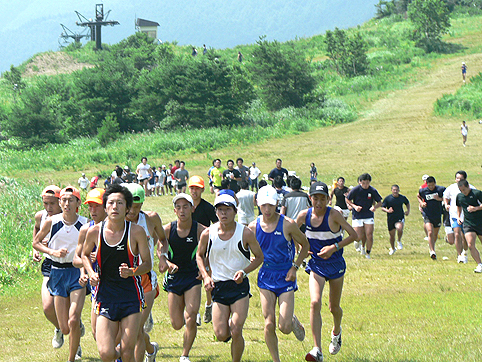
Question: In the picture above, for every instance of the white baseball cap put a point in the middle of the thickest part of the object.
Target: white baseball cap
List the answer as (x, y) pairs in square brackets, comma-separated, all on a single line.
[(182, 196), (225, 199), (267, 195)]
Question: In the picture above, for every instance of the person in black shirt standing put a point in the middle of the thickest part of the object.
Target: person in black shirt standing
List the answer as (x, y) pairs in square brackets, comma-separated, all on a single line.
[(232, 175), (430, 199), (278, 171), (393, 206)]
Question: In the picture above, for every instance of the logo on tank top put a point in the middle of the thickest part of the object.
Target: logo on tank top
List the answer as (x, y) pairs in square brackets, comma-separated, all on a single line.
[(277, 233), (120, 247), (189, 239)]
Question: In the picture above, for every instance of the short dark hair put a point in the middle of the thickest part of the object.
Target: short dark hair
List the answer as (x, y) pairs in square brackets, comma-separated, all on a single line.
[(463, 183), (365, 177), (118, 171), (431, 179), (228, 161), (296, 183), (244, 185), (279, 159), (239, 159), (278, 182), (118, 189), (183, 163), (462, 173), (340, 178), (395, 185), (262, 183), (144, 158), (225, 184)]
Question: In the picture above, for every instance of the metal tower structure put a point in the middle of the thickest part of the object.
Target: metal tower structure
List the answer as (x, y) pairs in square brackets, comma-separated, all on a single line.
[(96, 26), (67, 34)]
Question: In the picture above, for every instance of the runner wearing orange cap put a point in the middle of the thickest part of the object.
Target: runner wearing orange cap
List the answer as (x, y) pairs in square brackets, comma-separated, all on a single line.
[(63, 283), (50, 199), (204, 214), (98, 214)]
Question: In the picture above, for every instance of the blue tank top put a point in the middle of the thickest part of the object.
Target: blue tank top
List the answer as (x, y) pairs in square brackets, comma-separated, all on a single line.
[(112, 288), (322, 236), (278, 252)]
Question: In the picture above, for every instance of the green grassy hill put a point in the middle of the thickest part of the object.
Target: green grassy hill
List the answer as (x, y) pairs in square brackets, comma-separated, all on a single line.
[(404, 307)]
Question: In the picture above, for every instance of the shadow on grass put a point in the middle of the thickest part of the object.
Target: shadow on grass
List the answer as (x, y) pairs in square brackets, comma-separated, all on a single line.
[(449, 48)]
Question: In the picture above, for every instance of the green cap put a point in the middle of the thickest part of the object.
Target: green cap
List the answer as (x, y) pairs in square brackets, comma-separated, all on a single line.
[(137, 191)]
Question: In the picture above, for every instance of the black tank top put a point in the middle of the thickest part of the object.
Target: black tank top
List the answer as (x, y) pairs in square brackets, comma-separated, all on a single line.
[(182, 251), (112, 288)]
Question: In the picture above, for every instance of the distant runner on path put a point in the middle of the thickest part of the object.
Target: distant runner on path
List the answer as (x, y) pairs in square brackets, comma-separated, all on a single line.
[(464, 129), (464, 70)]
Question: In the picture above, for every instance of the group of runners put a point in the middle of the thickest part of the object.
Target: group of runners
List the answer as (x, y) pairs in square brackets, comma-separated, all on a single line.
[(112, 255)]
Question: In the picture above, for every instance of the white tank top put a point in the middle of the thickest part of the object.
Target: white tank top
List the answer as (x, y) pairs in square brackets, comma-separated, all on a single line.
[(141, 221), (226, 257), (65, 236)]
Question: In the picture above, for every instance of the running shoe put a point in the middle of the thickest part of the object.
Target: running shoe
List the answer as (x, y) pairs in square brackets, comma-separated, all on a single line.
[(433, 255), (400, 245), (152, 357), (78, 355), (478, 269), (208, 314), (184, 359), (58, 340), (198, 319), (363, 252), (368, 256), (425, 238), (357, 246), (314, 355), (392, 251), (298, 329), (149, 324), (335, 344)]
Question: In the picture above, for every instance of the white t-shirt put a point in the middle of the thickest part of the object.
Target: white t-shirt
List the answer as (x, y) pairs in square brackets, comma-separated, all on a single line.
[(254, 172), (246, 206), (143, 171), (451, 193), (65, 236), (83, 182)]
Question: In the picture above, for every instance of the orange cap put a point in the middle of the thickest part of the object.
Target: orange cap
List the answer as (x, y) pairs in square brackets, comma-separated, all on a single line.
[(51, 190), (196, 181), (95, 196), (71, 189)]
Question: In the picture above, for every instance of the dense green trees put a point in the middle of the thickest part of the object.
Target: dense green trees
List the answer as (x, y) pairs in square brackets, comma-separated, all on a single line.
[(282, 75), (348, 54), (431, 19)]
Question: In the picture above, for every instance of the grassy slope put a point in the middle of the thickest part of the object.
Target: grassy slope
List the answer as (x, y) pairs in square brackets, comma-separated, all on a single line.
[(401, 308)]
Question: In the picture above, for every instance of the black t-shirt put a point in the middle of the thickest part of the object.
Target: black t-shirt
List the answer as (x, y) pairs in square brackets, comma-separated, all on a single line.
[(233, 183), (397, 204), (364, 198), (118, 181), (434, 208), (474, 198), (340, 197), (204, 213)]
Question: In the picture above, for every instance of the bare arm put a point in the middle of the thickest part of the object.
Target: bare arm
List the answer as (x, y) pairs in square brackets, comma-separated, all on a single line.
[(250, 242), (327, 251), (41, 247), (141, 247), (36, 256), (298, 237), (77, 262), (201, 263), (89, 244)]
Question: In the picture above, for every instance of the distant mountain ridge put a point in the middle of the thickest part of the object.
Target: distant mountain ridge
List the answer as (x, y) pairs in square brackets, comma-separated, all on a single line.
[(32, 26)]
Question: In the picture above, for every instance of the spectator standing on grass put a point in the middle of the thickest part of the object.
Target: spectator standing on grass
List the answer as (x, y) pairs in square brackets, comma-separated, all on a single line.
[(464, 70), (430, 200), (324, 231), (181, 176), (278, 184), (254, 173), (469, 202), (464, 130), (295, 201), (142, 172), (277, 236), (94, 180), (393, 206), (50, 200), (243, 170), (245, 204), (313, 173), (217, 175), (168, 179), (177, 165), (233, 175), (278, 171), (83, 182), (364, 200)]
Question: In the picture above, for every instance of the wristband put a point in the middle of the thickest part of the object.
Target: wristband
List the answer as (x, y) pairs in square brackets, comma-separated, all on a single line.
[(134, 271), (245, 275), (296, 266), (337, 247)]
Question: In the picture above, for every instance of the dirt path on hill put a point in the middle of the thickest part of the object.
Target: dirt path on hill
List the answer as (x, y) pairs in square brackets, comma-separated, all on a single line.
[(398, 134)]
